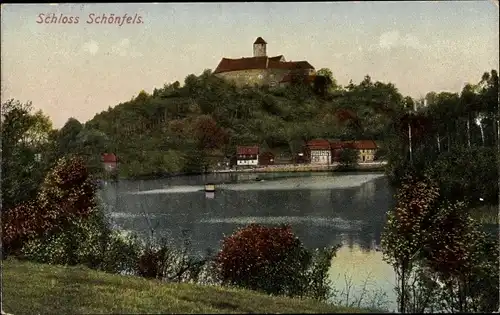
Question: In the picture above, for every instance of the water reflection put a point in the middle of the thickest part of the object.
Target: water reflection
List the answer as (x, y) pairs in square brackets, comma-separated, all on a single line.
[(323, 210), (356, 268)]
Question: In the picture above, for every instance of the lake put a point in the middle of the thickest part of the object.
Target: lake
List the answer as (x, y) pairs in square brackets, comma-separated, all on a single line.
[(323, 209)]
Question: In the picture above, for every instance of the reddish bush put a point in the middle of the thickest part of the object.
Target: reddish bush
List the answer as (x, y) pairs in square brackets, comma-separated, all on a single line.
[(270, 259), (66, 194)]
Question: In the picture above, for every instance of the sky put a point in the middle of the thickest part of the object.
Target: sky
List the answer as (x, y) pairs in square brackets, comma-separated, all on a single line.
[(79, 70)]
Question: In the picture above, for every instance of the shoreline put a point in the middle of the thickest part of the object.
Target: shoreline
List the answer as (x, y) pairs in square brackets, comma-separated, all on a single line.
[(365, 167), (285, 168)]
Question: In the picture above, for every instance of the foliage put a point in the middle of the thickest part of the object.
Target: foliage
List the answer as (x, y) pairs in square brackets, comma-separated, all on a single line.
[(67, 195), (348, 158), (165, 262), (478, 177), (429, 240), (466, 260), (25, 138), (452, 137), (408, 224), (273, 260)]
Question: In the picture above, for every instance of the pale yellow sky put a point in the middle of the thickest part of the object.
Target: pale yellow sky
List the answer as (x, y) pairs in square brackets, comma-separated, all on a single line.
[(78, 70)]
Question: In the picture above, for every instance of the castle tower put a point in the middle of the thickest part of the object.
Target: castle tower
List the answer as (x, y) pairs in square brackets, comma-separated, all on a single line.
[(259, 47)]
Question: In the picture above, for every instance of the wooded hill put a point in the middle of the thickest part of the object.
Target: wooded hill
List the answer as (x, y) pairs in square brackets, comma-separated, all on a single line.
[(178, 128)]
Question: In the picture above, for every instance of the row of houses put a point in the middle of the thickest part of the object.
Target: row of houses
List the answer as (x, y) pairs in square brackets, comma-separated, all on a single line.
[(318, 152)]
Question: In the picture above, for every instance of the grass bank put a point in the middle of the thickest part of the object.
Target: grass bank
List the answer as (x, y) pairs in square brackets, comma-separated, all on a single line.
[(30, 288)]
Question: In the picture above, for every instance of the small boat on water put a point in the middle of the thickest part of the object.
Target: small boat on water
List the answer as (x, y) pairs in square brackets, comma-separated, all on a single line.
[(209, 187), (258, 179)]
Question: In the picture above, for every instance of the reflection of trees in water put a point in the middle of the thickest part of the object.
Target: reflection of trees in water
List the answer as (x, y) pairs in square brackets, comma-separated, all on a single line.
[(365, 239), (366, 191), (320, 201), (313, 236), (350, 240)]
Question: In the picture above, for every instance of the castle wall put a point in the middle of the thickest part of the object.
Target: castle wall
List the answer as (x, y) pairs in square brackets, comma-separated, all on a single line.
[(254, 76), (271, 77), (245, 77), (274, 76)]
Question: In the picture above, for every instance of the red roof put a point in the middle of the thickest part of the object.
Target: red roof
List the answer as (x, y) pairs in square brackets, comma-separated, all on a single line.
[(318, 144), (277, 58), (357, 144), (109, 158), (337, 145), (226, 64), (259, 40), (251, 150), (365, 145)]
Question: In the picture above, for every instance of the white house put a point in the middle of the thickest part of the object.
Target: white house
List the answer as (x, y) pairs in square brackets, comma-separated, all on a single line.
[(320, 152), (247, 156)]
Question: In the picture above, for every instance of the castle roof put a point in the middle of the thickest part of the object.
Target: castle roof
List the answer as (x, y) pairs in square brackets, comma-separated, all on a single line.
[(227, 65), (259, 40)]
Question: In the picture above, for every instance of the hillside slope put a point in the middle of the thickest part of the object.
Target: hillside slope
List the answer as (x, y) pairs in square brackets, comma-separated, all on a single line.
[(30, 288)]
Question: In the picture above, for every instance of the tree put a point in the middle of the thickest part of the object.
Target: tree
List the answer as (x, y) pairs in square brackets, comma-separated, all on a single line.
[(330, 83), (25, 138), (66, 193), (90, 145), (403, 238), (348, 158), (67, 137), (208, 134), (430, 239)]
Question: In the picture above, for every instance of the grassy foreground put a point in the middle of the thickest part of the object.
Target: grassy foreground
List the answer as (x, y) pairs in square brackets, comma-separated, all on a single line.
[(30, 288)]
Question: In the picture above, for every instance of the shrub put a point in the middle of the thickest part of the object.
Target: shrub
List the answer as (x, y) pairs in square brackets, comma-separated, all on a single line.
[(65, 226), (89, 241), (164, 262), (66, 196), (121, 253), (273, 260)]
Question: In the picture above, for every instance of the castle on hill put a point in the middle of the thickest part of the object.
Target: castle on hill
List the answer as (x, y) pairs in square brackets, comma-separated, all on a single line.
[(263, 70)]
